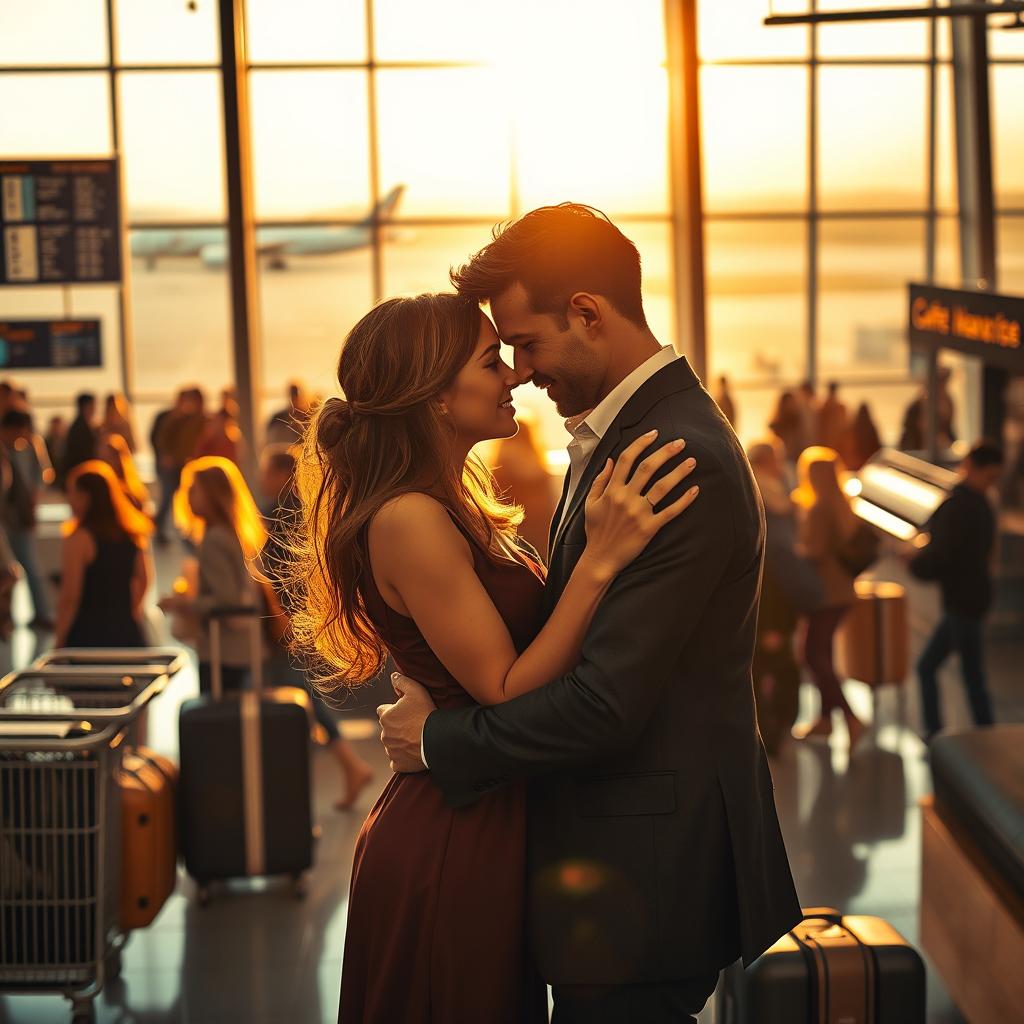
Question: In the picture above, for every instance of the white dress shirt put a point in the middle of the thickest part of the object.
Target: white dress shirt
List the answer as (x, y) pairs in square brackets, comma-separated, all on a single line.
[(588, 428)]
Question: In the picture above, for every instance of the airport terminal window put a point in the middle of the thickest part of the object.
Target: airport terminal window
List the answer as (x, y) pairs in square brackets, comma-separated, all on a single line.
[(167, 32), (60, 115), (858, 109), (756, 274), (1010, 242), (174, 173), (871, 39), (733, 31), (306, 30), (33, 41), (1008, 135)]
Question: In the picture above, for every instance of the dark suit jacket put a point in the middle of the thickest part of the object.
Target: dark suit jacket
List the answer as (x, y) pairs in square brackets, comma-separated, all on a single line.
[(654, 848)]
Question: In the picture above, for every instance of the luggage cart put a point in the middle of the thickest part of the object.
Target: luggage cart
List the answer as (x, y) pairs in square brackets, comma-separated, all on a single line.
[(170, 659), (60, 847)]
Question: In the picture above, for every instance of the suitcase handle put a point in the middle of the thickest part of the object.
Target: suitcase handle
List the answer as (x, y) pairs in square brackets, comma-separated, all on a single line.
[(829, 914), (254, 615)]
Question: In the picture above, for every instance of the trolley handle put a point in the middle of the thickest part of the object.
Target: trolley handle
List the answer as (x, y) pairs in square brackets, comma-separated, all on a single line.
[(255, 616)]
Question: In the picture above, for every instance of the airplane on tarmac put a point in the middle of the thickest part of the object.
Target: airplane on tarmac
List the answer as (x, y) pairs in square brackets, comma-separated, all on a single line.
[(274, 243)]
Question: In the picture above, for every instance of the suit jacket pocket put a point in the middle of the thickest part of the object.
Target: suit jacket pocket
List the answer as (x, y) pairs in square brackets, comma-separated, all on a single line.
[(621, 795)]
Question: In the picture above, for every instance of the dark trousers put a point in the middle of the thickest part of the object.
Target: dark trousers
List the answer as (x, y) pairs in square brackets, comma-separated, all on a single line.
[(169, 480), (676, 1002), (818, 656), (777, 682), (963, 635), (233, 678)]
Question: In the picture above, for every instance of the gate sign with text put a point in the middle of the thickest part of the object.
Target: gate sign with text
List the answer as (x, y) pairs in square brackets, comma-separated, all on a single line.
[(59, 222), (49, 344), (980, 324)]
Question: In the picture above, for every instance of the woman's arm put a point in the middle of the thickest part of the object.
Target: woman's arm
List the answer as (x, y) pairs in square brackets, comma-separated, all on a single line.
[(142, 576), (75, 555), (425, 565)]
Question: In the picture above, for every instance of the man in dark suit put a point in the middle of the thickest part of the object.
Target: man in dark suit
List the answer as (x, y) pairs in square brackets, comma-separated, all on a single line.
[(655, 852)]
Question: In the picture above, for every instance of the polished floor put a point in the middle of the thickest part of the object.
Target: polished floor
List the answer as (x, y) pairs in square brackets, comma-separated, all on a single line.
[(258, 955)]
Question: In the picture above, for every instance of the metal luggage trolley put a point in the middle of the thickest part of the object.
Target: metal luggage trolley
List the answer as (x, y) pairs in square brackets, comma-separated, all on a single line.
[(62, 736)]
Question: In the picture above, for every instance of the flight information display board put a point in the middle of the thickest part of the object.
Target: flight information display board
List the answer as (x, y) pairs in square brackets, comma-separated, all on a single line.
[(49, 344), (59, 222)]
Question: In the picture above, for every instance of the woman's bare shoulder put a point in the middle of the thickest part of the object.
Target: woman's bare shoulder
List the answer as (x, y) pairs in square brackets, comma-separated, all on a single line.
[(413, 520)]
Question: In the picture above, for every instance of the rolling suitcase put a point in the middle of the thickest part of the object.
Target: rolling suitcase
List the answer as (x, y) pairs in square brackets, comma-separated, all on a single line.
[(149, 836), (827, 970), (245, 775)]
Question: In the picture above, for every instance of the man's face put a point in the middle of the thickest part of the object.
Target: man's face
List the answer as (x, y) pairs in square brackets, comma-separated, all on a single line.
[(560, 360)]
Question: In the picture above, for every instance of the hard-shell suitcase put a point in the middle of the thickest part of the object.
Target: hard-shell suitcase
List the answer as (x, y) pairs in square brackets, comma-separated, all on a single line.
[(829, 969), (149, 836), (245, 775)]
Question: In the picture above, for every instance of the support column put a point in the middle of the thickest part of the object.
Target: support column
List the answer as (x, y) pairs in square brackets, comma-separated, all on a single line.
[(241, 228), (685, 181), (976, 194)]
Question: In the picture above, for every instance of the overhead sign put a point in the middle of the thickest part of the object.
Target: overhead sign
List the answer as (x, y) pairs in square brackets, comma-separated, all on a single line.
[(49, 344), (980, 324), (59, 222)]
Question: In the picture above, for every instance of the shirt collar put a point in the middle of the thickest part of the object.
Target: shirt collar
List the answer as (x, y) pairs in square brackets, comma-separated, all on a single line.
[(597, 421)]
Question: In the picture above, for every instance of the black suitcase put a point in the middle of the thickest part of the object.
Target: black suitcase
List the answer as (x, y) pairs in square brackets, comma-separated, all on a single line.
[(245, 792), (829, 969)]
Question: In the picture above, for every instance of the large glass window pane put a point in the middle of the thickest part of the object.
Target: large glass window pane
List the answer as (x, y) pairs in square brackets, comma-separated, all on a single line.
[(417, 259), (310, 143), (736, 30), (55, 115), (450, 163), (172, 144), (945, 142), (529, 35), (756, 299), (28, 35), (862, 311), (907, 38), (654, 240), (872, 126), (1010, 241), (1003, 43), (754, 138), (167, 32), (181, 309), (306, 30), (560, 116), (310, 301), (1008, 134)]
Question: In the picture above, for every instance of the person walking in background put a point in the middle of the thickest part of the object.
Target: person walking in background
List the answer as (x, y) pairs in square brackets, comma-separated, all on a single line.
[(175, 443), (118, 419), (807, 405), (790, 589), (827, 526), (286, 425), (832, 420), (277, 482), (167, 473), (862, 439), (962, 533), (19, 513), (55, 439), (222, 435), (521, 474), (80, 445), (787, 424), (914, 434), (725, 402), (214, 509), (105, 563)]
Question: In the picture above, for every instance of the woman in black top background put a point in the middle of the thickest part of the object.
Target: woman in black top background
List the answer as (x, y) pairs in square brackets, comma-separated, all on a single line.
[(105, 563)]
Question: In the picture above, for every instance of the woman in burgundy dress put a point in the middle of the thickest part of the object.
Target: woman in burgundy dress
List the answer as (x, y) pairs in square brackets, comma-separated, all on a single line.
[(407, 550)]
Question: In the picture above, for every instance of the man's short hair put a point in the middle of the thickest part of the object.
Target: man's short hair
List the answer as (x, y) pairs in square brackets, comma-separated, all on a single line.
[(16, 419), (554, 252), (82, 399), (985, 454), (279, 457)]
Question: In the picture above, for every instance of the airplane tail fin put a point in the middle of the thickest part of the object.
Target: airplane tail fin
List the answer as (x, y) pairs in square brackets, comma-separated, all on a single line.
[(387, 206)]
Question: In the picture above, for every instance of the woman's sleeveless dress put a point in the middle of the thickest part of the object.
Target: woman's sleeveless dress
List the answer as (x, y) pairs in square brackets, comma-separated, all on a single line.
[(104, 617), (436, 928)]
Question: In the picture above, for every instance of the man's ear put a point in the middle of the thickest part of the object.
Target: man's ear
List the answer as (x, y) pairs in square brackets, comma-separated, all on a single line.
[(587, 309)]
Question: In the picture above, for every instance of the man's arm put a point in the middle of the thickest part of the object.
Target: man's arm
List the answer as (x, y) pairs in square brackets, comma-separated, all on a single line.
[(628, 655)]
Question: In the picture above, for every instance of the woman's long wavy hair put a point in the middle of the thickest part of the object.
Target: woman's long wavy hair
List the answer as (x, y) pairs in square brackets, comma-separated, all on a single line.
[(110, 516), (389, 436)]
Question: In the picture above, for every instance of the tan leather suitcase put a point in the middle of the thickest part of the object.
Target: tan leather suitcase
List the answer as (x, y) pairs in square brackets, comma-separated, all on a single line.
[(149, 854)]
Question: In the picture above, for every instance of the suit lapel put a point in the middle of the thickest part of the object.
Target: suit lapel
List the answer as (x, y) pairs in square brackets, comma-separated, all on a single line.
[(677, 376), (557, 518)]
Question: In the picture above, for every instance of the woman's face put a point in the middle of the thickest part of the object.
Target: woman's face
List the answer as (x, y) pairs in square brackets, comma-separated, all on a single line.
[(479, 400)]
